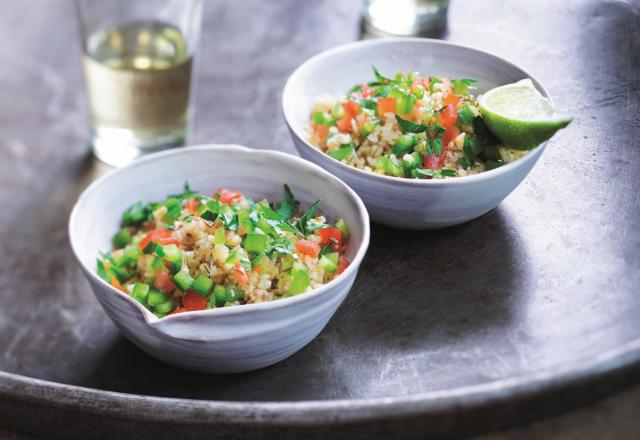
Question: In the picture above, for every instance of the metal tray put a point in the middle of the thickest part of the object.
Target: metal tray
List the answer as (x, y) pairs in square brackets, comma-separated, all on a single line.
[(522, 313)]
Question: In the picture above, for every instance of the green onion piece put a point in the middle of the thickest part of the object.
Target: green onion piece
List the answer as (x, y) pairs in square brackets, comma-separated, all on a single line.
[(156, 297), (342, 226), (121, 239), (299, 280), (202, 284), (418, 91), (140, 292), (183, 280), (255, 242)]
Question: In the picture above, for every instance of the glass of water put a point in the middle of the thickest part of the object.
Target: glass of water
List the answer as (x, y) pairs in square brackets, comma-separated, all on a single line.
[(138, 61), (406, 17)]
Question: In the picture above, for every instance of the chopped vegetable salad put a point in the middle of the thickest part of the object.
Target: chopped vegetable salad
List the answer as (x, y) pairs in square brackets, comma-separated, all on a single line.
[(193, 252), (411, 125)]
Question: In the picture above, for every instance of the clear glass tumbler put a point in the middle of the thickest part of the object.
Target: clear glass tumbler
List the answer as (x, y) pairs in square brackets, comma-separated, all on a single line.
[(138, 61), (406, 17)]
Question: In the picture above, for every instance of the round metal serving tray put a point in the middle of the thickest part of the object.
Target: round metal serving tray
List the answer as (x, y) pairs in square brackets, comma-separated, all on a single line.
[(529, 310)]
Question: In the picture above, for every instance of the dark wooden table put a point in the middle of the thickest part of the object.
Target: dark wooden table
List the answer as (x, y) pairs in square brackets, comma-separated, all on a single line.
[(543, 288)]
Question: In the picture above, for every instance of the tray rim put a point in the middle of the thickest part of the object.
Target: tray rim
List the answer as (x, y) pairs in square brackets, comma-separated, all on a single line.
[(537, 385)]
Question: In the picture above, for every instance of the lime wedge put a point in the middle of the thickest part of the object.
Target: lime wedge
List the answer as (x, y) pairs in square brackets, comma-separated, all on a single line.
[(520, 116)]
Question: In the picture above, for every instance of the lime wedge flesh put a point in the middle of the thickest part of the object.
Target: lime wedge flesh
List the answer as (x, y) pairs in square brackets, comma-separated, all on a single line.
[(520, 116)]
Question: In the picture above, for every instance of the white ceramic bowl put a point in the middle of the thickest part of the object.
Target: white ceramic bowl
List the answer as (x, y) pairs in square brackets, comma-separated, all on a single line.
[(221, 340), (400, 202)]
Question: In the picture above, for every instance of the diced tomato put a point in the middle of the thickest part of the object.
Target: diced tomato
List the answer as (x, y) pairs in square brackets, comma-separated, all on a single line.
[(178, 310), (449, 115), (344, 124), (194, 301), (331, 236), (351, 108), (367, 92), (450, 134), (115, 283), (420, 81), (308, 247), (163, 281), (240, 274), (343, 263), (191, 205), (416, 114), (447, 85), (432, 162), (320, 131), (158, 235), (452, 98), (386, 105), (228, 196)]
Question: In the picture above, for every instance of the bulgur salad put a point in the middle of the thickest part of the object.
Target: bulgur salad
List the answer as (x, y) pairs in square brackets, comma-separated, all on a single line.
[(193, 252), (414, 126)]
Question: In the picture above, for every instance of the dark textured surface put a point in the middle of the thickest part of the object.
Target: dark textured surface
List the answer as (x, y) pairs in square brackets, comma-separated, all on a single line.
[(544, 283)]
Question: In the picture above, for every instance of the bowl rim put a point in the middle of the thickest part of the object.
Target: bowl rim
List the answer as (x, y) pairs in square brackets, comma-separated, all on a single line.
[(293, 161), (404, 181)]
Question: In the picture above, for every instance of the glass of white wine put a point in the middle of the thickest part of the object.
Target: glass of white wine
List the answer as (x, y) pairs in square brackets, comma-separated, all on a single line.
[(405, 17), (138, 62)]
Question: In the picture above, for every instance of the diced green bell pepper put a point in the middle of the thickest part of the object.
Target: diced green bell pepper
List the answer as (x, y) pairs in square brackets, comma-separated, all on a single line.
[(165, 307), (255, 242), (327, 264), (202, 284), (342, 226), (183, 280), (299, 280), (156, 297), (390, 165), (404, 144), (343, 152), (121, 238), (220, 295), (140, 292)]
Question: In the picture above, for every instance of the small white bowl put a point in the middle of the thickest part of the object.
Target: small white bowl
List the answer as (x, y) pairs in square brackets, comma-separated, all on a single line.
[(401, 202), (230, 339)]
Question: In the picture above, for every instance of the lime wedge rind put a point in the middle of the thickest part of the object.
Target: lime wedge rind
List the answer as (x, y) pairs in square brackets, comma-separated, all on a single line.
[(520, 116)]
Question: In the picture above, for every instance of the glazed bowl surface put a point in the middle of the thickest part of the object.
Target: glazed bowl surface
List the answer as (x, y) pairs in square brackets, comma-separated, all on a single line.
[(229, 339), (394, 201)]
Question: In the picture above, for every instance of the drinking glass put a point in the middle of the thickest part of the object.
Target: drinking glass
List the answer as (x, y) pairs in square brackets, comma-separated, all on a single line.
[(138, 61), (406, 17)]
